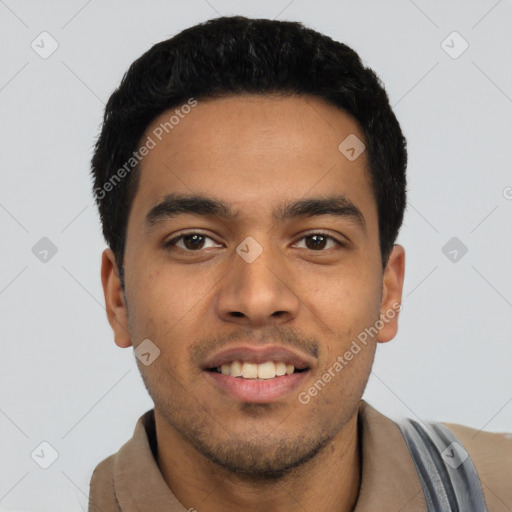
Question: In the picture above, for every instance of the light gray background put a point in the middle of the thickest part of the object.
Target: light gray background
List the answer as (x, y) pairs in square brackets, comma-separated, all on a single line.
[(64, 381)]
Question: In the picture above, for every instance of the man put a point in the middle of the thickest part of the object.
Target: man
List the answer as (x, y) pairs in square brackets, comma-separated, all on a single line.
[(250, 177)]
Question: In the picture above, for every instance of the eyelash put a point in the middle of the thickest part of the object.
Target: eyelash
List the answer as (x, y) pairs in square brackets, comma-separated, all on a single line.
[(171, 244)]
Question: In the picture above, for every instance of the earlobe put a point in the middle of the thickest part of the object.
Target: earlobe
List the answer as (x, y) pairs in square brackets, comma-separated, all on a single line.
[(392, 294), (115, 306)]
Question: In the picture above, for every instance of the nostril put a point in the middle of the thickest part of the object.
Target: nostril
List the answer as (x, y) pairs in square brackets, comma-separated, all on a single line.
[(237, 313)]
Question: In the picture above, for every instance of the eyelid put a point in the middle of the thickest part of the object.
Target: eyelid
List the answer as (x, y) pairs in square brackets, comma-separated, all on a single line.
[(172, 241)]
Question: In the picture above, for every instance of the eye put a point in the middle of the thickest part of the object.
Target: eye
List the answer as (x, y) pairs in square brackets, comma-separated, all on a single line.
[(195, 242), (191, 242), (319, 241)]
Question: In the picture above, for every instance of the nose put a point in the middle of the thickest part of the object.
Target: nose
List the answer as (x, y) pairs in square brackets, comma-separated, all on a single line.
[(259, 292)]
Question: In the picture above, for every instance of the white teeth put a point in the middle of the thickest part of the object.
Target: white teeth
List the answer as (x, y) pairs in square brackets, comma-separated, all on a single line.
[(280, 369), (249, 371), (236, 369), (266, 370)]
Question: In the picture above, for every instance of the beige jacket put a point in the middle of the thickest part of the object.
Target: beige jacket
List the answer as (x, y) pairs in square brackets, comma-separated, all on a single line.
[(130, 480)]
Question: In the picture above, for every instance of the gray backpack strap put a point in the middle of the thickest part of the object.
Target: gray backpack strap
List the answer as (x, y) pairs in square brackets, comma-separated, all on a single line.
[(447, 474)]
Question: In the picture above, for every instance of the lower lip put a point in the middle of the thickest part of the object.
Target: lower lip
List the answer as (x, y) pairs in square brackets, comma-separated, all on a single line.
[(258, 391)]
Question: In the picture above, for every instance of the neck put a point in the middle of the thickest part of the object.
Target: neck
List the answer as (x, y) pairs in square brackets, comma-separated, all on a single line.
[(329, 482)]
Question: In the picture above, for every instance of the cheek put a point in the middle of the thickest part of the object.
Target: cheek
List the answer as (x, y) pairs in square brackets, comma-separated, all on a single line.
[(170, 307), (345, 301), (167, 294), (344, 308)]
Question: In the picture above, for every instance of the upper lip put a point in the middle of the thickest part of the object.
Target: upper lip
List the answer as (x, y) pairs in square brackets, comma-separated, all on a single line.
[(257, 354)]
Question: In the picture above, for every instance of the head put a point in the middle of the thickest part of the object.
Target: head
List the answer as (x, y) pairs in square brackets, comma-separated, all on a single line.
[(250, 178)]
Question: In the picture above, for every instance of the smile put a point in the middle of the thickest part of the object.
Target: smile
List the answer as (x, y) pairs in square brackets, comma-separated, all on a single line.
[(263, 371)]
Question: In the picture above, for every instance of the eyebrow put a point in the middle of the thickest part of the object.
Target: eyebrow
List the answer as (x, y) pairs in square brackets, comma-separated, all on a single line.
[(173, 205)]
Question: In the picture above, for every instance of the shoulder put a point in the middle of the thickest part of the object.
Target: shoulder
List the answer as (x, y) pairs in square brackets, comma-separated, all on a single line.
[(102, 495), (491, 454), (114, 476)]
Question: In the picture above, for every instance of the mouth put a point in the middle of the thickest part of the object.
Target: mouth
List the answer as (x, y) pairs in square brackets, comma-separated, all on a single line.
[(257, 374), (262, 371)]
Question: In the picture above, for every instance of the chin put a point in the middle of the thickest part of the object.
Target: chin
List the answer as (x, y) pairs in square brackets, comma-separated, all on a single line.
[(264, 459)]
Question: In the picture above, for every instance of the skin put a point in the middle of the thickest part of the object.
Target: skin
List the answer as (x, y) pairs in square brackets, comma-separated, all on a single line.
[(253, 152)]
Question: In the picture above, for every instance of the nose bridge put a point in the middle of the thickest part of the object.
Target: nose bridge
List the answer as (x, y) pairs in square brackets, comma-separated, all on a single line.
[(256, 288)]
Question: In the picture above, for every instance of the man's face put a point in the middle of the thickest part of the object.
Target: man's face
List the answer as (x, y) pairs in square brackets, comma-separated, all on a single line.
[(208, 299)]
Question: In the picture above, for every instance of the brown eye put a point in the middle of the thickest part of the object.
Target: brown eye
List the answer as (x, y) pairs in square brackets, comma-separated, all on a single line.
[(319, 241), (316, 242), (191, 242)]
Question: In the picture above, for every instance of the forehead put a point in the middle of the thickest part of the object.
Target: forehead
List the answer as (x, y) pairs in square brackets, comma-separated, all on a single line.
[(253, 151)]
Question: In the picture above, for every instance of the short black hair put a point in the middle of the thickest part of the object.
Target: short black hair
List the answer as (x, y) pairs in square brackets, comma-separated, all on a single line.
[(236, 55)]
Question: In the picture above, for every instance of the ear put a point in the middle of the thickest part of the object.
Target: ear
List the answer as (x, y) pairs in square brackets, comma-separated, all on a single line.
[(115, 306), (392, 294)]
